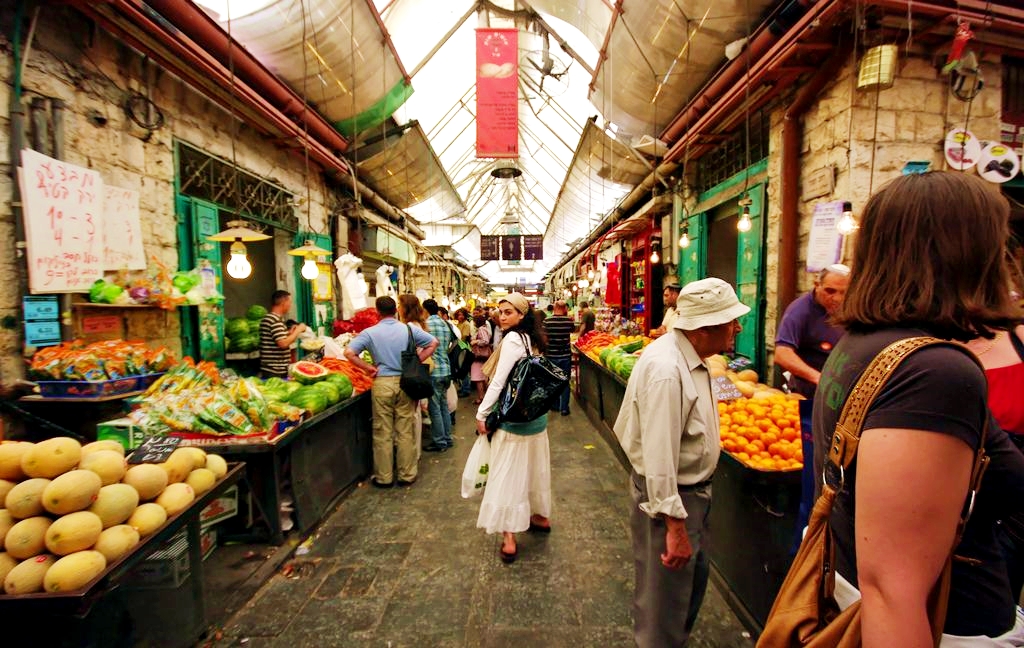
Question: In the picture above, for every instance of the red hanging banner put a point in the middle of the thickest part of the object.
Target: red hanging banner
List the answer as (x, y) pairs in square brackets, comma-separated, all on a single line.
[(497, 93)]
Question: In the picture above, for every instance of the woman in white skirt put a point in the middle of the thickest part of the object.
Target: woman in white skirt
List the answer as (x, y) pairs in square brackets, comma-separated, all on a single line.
[(518, 493)]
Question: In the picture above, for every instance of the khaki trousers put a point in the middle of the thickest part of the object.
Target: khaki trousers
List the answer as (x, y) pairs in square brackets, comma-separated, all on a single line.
[(666, 601), (392, 429)]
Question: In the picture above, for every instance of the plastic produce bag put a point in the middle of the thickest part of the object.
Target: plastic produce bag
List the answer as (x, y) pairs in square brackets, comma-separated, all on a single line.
[(453, 397), (474, 476)]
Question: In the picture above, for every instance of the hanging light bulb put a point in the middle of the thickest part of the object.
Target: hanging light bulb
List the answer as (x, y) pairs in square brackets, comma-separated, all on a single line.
[(584, 283), (655, 258), (239, 266), (684, 238), (744, 224), (309, 269), (847, 223), (590, 274)]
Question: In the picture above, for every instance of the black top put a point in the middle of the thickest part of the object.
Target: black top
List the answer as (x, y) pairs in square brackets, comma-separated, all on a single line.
[(942, 390), (558, 329)]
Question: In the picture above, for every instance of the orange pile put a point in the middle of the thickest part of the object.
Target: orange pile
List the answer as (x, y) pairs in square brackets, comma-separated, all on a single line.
[(763, 433)]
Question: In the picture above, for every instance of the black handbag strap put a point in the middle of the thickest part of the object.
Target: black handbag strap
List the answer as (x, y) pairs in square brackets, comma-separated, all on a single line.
[(411, 347), (526, 343), (1018, 345)]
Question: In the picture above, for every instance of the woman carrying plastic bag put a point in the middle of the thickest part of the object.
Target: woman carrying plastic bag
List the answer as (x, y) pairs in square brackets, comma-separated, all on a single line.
[(474, 475)]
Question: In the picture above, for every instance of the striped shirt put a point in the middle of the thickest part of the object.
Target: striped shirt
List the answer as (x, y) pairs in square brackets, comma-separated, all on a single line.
[(440, 330), (558, 329), (273, 359)]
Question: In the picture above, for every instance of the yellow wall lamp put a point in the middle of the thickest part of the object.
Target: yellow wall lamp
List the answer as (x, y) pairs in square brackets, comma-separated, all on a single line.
[(237, 233), (309, 251)]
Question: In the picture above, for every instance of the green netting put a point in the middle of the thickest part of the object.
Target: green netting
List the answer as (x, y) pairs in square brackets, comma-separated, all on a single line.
[(376, 114)]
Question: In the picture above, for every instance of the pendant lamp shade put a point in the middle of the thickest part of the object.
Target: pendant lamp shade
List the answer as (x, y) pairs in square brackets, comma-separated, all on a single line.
[(237, 231), (309, 249)]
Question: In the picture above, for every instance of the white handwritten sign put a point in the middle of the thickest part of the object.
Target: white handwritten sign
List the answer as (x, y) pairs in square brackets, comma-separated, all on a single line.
[(122, 234), (825, 243), (724, 389), (63, 206)]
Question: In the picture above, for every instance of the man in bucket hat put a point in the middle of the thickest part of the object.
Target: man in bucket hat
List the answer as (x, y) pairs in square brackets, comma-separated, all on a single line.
[(668, 428)]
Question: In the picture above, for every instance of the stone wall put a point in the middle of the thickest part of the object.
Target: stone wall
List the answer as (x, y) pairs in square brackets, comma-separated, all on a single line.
[(867, 136), (93, 74)]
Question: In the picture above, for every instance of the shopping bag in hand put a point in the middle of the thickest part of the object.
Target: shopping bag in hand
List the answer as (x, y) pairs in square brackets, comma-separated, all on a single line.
[(474, 476)]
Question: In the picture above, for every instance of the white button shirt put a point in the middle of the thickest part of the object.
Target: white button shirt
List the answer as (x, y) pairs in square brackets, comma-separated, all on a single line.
[(668, 423)]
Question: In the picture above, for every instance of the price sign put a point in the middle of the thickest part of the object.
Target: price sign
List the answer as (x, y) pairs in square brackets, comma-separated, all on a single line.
[(533, 248), (723, 388), (511, 248), (489, 248), (122, 233), (155, 449), (63, 207)]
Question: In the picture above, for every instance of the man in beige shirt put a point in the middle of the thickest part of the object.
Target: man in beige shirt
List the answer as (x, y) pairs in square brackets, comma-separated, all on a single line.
[(668, 428)]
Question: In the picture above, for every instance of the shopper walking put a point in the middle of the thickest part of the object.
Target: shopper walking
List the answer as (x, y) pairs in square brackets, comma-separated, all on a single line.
[(558, 328), (411, 313), (441, 375), (465, 326), (482, 348), (668, 428), (392, 408), (276, 338), (588, 320), (518, 493), (927, 261)]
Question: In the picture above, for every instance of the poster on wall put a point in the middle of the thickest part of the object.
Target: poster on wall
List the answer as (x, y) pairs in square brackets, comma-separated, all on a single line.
[(824, 245), (497, 93), (63, 208), (122, 232)]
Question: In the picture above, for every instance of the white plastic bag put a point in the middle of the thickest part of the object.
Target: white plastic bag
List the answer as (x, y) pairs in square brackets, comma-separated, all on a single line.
[(453, 397), (474, 476)]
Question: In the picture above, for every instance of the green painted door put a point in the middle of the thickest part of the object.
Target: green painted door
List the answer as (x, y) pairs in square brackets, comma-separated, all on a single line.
[(202, 327), (693, 259), (750, 281), (305, 308)]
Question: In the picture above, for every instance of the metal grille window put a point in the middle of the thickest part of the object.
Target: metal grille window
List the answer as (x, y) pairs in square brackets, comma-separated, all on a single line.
[(208, 177), (730, 157)]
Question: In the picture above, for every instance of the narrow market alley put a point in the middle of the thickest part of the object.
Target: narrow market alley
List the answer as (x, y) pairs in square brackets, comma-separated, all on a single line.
[(407, 567)]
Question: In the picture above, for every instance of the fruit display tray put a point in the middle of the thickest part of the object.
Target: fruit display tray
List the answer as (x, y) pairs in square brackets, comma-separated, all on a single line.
[(95, 389)]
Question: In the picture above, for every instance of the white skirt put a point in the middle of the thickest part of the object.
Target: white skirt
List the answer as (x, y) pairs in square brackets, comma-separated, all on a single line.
[(518, 482)]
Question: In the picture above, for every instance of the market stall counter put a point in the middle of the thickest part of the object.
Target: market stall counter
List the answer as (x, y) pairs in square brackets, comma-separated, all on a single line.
[(151, 595), (311, 463)]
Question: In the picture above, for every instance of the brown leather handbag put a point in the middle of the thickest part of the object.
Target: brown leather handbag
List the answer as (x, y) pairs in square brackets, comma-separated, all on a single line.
[(805, 613)]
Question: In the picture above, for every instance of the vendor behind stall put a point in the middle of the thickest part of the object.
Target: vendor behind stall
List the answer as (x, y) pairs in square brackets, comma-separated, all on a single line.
[(276, 337)]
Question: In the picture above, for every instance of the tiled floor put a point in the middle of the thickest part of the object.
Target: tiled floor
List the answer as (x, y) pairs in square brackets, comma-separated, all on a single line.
[(407, 567)]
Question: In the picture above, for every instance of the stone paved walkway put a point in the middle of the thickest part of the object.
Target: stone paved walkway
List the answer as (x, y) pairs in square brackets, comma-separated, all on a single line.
[(407, 567)]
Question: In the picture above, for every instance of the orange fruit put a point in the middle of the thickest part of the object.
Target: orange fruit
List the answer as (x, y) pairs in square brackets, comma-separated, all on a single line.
[(751, 449), (743, 455), (758, 443)]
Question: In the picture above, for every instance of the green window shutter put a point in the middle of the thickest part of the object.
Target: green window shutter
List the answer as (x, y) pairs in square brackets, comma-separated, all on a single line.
[(305, 309), (750, 280), (210, 317), (693, 259)]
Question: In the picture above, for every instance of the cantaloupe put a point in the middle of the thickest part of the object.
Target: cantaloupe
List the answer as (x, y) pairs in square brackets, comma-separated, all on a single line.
[(176, 498), (73, 491), (178, 465), (7, 563), (198, 456), (26, 499), (73, 571), (148, 479), (5, 487), (746, 388), (201, 480), (115, 504), (73, 532), (27, 576), (217, 464), (27, 538), (6, 522), (748, 374), (10, 460), (105, 444), (52, 457), (147, 519), (116, 542), (108, 464)]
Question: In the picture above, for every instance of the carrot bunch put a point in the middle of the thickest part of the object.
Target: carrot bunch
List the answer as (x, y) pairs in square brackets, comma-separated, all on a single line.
[(360, 380)]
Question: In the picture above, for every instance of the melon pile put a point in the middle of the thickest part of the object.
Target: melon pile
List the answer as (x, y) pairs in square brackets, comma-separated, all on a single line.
[(70, 510)]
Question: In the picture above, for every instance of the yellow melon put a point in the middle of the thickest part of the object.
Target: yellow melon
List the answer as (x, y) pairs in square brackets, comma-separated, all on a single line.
[(716, 371), (201, 480), (746, 388), (198, 456), (6, 522), (108, 464), (748, 374), (26, 499), (148, 479), (10, 460), (7, 563), (73, 532), (73, 491), (27, 576), (147, 519), (74, 571), (178, 465), (106, 444), (27, 538), (5, 487), (176, 498), (52, 457), (115, 504), (217, 464), (116, 542)]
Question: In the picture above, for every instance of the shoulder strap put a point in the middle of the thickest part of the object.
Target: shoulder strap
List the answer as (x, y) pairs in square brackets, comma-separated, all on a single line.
[(1017, 344), (526, 343), (411, 347)]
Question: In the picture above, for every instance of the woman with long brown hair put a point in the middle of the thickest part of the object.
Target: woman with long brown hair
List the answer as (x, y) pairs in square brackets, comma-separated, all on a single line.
[(411, 311), (928, 260)]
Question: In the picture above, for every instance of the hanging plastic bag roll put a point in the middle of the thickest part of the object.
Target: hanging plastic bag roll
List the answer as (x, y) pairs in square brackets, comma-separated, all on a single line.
[(474, 476)]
